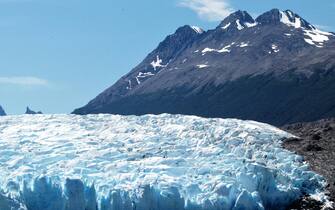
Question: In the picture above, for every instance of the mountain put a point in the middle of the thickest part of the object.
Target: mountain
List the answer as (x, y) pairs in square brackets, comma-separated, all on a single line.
[(29, 111), (277, 68), (2, 112)]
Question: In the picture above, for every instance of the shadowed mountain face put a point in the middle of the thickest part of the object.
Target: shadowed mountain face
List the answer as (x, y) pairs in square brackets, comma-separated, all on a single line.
[(2, 112), (277, 69)]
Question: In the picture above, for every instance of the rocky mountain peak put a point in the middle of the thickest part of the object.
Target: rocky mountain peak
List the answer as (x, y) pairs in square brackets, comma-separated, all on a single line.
[(271, 17), (185, 31), (182, 35), (237, 20), (287, 17)]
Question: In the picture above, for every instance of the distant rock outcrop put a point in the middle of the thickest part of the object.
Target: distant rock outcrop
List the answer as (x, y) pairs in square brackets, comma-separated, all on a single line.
[(2, 112), (29, 111)]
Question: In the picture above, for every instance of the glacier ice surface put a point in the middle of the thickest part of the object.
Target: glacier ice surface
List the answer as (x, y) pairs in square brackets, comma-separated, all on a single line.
[(151, 162)]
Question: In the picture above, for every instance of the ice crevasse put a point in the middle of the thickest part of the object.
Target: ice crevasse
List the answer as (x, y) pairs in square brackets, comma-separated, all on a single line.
[(151, 162)]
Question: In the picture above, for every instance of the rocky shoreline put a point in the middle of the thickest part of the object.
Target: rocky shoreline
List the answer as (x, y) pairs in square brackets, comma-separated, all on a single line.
[(316, 143)]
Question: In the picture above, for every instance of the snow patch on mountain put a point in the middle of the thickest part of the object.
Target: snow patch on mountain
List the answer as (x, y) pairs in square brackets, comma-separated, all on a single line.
[(316, 37), (138, 80), (207, 49), (250, 25), (158, 63), (201, 66), (244, 44), (275, 48), (129, 87), (226, 26), (158, 162), (143, 75), (239, 26), (225, 49)]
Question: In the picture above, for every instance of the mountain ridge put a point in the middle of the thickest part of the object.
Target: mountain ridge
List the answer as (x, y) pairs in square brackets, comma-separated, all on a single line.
[(192, 66)]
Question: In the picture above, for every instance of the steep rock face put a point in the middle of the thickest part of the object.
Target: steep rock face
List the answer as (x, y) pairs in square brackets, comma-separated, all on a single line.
[(277, 69), (2, 112)]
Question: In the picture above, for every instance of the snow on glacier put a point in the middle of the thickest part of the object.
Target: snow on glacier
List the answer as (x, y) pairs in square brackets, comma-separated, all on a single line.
[(163, 162)]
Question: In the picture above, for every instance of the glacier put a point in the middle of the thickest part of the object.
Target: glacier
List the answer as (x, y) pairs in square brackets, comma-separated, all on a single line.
[(151, 162)]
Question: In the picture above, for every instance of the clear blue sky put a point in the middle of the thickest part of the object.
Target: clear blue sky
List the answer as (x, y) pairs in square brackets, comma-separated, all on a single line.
[(56, 55)]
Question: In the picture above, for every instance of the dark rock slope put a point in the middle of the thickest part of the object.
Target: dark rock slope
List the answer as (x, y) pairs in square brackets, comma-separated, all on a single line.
[(317, 145), (2, 112), (277, 68)]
